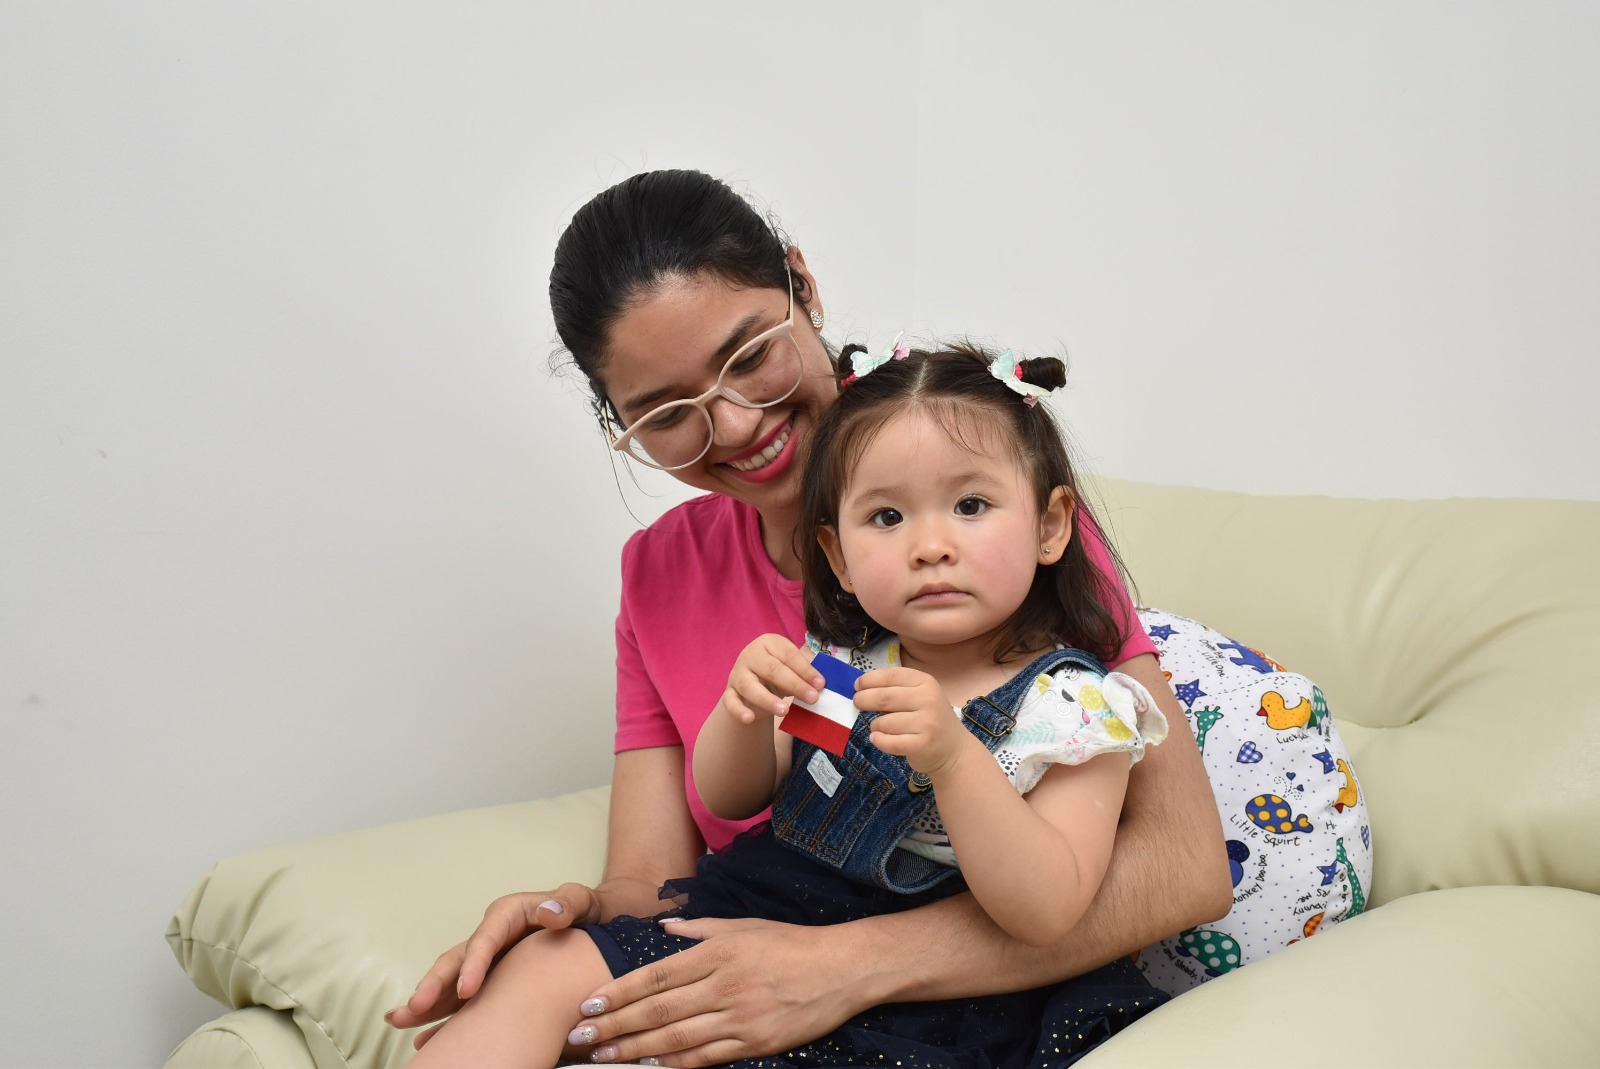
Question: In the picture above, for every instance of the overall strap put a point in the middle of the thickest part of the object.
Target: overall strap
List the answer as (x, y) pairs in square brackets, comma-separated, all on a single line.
[(992, 716)]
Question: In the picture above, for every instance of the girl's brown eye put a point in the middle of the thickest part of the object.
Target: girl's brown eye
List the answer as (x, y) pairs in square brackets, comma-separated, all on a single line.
[(971, 506)]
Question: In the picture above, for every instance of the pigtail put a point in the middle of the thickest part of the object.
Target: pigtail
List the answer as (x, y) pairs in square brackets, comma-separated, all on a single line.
[(1045, 372), (841, 363)]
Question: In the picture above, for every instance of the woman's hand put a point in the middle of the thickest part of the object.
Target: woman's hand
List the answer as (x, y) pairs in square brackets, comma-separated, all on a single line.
[(458, 973), (751, 988), (915, 719), (769, 672)]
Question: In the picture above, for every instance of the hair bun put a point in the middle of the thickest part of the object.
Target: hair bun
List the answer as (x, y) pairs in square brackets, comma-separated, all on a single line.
[(1046, 372)]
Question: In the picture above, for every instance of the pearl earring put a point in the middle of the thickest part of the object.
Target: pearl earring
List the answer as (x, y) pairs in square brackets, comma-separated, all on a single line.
[(816, 318)]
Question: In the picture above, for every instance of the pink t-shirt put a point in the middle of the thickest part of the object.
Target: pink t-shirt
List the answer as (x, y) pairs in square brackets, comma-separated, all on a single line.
[(697, 586)]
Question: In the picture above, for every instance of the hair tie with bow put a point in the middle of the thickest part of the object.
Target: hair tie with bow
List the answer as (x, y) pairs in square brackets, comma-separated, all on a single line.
[(864, 363), (1007, 367)]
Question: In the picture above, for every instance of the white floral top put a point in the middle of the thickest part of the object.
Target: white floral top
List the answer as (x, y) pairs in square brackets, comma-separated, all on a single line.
[(1071, 715)]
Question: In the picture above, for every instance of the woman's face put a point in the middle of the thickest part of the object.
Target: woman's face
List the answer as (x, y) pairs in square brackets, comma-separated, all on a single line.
[(672, 343)]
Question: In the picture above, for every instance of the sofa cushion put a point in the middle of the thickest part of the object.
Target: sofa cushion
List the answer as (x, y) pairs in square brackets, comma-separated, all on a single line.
[(1453, 638), (336, 931), (1481, 976)]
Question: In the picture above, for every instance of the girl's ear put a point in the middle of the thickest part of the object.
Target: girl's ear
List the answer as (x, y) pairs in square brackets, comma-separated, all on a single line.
[(828, 539), (1055, 525)]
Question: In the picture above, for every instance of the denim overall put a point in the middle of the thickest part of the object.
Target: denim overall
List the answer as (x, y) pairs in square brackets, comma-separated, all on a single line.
[(878, 798)]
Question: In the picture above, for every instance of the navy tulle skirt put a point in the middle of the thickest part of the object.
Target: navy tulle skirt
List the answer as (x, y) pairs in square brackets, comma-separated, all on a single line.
[(755, 876)]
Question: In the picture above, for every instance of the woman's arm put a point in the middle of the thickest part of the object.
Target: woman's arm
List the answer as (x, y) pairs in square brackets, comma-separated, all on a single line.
[(755, 987), (652, 836)]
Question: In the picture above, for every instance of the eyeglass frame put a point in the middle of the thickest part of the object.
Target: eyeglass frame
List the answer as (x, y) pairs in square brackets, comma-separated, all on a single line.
[(619, 443)]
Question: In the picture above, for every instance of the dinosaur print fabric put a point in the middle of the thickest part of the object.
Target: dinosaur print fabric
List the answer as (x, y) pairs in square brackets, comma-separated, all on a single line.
[(1298, 840)]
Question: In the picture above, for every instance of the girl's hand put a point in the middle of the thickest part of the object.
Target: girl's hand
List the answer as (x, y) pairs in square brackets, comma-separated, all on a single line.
[(916, 720), (769, 672), (458, 973)]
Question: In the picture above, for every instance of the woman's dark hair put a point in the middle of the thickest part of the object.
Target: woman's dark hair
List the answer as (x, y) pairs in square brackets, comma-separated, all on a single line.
[(1068, 599), (642, 231)]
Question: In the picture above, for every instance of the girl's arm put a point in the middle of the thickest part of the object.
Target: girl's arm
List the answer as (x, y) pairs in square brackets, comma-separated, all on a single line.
[(739, 756), (736, 764), (1033, 863)]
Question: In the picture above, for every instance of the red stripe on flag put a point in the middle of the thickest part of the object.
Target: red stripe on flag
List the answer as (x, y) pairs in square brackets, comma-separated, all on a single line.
[(816, 729)]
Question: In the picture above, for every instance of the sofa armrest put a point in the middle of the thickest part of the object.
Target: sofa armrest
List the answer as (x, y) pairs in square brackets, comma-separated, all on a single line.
[(1468, 976), (251, 1038), (335, 931)]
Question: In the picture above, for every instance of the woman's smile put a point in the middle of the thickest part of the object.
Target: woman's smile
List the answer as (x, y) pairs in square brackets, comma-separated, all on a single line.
[(769, 456)]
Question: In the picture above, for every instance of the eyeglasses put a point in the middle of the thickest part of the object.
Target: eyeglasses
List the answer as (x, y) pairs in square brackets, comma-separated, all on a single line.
[(762, 372)]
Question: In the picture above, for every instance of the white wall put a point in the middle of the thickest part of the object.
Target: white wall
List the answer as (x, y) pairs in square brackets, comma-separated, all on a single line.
[(296, 525), (1348, 249), (296, 530)]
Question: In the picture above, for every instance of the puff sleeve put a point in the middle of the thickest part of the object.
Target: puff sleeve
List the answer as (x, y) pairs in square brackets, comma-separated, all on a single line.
[(1074, 715)]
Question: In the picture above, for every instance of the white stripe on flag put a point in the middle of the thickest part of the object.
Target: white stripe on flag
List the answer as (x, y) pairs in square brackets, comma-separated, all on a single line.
[(834, 706)]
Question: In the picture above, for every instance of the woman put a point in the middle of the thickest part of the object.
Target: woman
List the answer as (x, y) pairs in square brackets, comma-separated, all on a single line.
[(699, 331)]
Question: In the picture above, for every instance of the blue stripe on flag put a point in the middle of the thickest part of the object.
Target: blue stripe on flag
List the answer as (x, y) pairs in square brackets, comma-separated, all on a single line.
[(838, 676)]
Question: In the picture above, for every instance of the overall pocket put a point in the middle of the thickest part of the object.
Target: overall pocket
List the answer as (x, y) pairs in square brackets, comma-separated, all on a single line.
[(826, 802)]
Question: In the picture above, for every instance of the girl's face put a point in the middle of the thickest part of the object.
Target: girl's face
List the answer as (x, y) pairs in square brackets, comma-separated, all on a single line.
[(939, 538), (674, 342)]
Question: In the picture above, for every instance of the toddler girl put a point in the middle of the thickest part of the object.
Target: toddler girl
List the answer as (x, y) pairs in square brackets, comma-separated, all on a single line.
[(991, 753)]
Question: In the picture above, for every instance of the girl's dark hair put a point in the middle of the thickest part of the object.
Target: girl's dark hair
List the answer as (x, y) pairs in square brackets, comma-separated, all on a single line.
[(642, 231), (1068, 599)]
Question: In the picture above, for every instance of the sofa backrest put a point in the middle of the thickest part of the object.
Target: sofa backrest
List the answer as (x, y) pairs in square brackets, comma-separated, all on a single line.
[(1455, 641)]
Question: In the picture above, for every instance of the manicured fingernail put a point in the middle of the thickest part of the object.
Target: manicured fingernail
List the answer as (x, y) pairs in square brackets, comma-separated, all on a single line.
[(671, 920), (649, 1061), (584, 1034), (553, 906), (604, 1054), (593, 1006)]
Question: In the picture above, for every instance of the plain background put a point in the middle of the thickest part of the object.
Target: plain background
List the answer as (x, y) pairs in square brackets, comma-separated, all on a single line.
[(298, 534)]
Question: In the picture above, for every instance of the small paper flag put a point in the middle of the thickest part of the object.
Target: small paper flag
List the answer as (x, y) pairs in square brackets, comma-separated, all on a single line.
[(826, 723)]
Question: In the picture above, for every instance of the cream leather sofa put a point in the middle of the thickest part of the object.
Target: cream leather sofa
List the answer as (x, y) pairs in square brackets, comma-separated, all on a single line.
[(1457, 643)]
